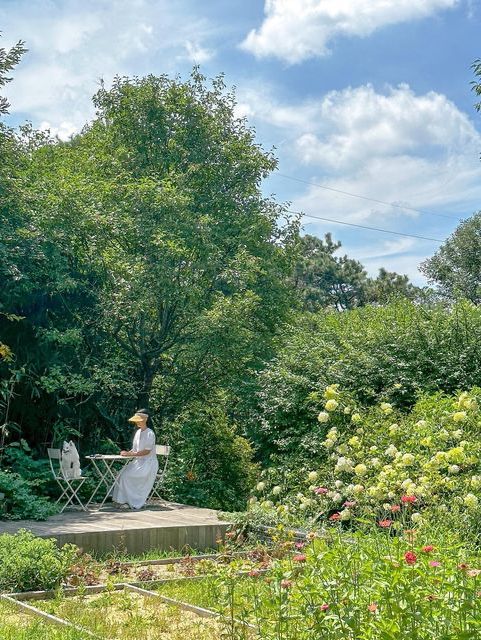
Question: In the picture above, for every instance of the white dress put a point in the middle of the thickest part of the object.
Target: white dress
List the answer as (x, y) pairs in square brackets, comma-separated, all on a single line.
[(137, 478)]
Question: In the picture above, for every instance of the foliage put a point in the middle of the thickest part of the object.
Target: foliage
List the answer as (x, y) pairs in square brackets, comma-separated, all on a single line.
[(392, 352), (326, 280), (28, 563), (385, 466), (19, 502), (456, 266), (140, 264), (210, 466), (364, 587)]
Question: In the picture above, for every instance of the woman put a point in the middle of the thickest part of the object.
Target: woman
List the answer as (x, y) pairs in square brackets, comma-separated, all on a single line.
[(136, 480)]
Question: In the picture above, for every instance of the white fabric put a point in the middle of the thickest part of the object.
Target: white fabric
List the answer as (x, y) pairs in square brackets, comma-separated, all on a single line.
[(70, 461), (137, 478)]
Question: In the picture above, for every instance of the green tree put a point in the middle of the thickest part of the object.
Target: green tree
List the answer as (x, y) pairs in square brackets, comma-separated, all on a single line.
[(326, 280), (456, 267)]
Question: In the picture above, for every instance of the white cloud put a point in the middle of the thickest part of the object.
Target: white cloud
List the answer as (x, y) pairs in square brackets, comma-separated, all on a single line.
[(74, 43), (198, 54), (295, 30), (420, 151)]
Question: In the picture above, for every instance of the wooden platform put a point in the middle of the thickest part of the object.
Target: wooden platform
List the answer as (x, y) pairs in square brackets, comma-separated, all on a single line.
[(168, 526)]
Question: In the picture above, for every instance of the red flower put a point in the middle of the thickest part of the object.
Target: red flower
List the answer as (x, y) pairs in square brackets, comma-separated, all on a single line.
[(385, 524), (349, 504), (408, 499), (410, 557), (285, 584), (321, 491), (435, 563), (428, 548), (324, 607), (395, 508), (254, 573), (372, 607), (335, 516), (300, 558)]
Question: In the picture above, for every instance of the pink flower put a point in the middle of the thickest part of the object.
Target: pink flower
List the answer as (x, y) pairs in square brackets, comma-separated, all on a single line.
[(395, 508), (321, 491), (335, 516), (372, 607), (428, 548), (285, 584), (324, 607), (435, 563), (300, 558), (300, 545), (408, 499), (410, 557), (349, 504), (385, 524)]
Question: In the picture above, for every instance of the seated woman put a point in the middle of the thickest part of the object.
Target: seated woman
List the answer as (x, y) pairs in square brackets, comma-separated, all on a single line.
[(136, 480)]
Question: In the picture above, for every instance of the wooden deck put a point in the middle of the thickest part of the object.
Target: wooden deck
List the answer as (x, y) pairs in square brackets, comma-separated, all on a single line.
[(168, 526)]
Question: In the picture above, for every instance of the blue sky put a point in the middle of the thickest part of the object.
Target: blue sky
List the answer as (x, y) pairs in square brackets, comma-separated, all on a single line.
[(370, 97)]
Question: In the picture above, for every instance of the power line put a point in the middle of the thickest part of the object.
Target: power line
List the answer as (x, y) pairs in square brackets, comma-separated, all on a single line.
[(361, 226), (355, 195)]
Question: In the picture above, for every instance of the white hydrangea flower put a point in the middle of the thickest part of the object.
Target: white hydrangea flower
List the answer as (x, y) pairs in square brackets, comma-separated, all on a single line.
[(394, 429), (312, 477), (416, 518), (276, 490), (344, 464), (356, 417), (391, 451), (476, 482), (408, 459), (331, 405), (303, 506), (453, 469), (347, 410), (323, 417), (345, 515), (421, 423), (360, 469), (460, 416), (386, 407), (338, 484), (261, 486), (471, 501), (358, 488)]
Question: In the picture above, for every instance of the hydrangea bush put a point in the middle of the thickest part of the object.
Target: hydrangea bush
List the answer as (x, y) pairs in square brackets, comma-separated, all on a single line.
[(382, 464)]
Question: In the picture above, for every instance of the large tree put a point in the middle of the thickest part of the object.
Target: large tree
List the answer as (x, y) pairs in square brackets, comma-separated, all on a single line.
[(173, 263)]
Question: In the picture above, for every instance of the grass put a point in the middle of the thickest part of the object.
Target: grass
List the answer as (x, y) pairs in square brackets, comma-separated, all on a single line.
[(15, 625), (124, 615)]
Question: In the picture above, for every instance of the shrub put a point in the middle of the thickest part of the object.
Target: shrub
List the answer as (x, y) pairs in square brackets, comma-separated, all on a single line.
[(17, 500), (28, 563), (211, 465), (394, 352), (384, 464)]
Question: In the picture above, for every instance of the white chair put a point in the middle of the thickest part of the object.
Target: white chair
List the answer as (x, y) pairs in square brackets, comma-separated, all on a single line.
[(69, 489), (163, 451)]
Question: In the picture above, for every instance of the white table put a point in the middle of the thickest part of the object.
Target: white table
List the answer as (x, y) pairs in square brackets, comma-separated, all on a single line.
[(108, 472)]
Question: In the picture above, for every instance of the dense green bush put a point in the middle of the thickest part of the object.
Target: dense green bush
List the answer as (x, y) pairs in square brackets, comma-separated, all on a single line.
[(18, 501), (382, 465), (394, 352), (210, 465), (28, 563)]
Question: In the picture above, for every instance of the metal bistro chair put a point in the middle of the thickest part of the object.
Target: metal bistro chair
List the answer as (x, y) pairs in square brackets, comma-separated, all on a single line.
[(164, 451), (66, 484)]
